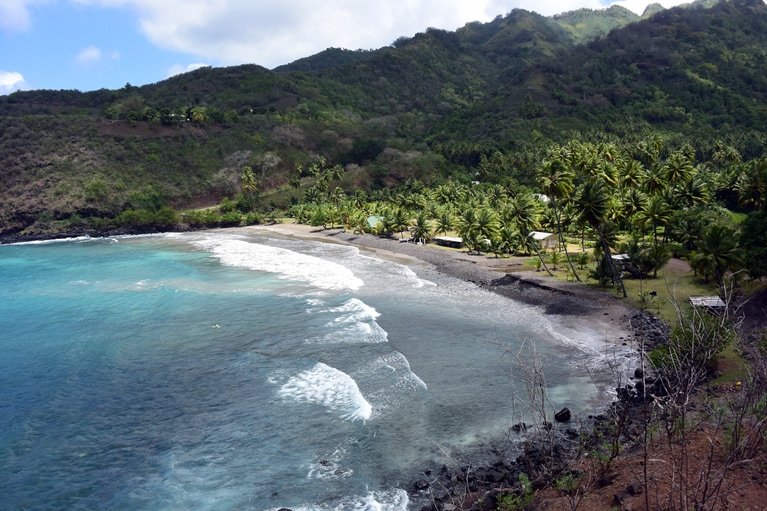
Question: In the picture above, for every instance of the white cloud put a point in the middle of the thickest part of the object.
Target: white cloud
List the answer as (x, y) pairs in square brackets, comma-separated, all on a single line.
[(178, 69), (14, 15), (89, 56), (11, 81), (273, 33), (93, 55)]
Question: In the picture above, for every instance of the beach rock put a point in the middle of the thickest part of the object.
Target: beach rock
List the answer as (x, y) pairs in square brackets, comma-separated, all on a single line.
[(563, 415), (492, 475), (421, 484), (606, 480)]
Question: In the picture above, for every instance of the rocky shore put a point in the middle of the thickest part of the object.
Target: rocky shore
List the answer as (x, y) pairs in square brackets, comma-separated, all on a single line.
[(498, 275), (532, 457), (543, 457)]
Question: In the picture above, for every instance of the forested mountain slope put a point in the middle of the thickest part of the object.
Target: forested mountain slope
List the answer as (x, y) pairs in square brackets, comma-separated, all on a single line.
[(428, 108)]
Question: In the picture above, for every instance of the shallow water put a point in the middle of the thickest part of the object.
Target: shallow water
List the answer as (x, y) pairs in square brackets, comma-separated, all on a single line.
[(229, 370)]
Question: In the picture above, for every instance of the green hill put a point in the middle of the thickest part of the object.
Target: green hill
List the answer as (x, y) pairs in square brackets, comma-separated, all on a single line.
[(426, 108)]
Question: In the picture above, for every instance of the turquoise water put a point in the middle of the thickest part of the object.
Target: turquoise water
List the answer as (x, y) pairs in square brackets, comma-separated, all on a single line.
[(238, 370)]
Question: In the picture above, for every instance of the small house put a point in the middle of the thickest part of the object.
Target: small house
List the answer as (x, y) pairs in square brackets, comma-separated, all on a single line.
[(374, 222), (545, 240), (448, 241), (712, 304)]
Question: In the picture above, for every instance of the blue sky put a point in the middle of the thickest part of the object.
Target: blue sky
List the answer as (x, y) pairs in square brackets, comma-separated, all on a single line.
[(93, 44)]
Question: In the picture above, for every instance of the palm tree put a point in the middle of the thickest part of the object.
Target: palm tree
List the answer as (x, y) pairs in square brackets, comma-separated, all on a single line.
[(400, 221), (249, 186), (657, 214), (656, 256), (295, 180), (467, 227), (313, 195), (692, 192), (358, 222), (592, 202), (360, 199), (445, 220), (717, 253), (337, 196), (752, 186), (633, 202), (648, 150), (507, 238), (555, 258), (556, 180), (496, 194), (678, 168), (631, 175), (421, 228), (478, 225), (487, 223), (655, 180), (523, 211)]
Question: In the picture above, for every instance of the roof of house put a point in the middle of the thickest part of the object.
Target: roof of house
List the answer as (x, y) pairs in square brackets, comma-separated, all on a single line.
[(706, 301), (540, 235)]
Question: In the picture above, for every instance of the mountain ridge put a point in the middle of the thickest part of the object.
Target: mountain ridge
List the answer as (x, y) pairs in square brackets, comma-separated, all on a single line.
[(514, 85)]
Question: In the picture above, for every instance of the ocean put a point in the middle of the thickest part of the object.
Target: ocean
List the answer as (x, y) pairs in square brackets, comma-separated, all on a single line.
[(244, 370)]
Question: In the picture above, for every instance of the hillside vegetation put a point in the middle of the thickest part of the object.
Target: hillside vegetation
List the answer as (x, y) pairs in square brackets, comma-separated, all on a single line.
[(430, 108), (599, 131)]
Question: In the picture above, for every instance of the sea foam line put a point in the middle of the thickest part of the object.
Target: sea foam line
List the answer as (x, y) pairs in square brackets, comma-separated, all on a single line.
[(386, 500), (595, 344), (329, 387), (287, 264)]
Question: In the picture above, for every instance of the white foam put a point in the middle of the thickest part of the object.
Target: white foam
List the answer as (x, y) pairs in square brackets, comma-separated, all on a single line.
[(598, 342), (404, 274), (329, 387), (389, 382), (331, 467), (77, 239), (391, 500), (356, 310), (286, 264), (354, 324)]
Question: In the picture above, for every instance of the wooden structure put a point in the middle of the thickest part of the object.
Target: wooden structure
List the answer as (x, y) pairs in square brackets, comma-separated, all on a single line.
[(712, 304), (545, 240), (447, 241)]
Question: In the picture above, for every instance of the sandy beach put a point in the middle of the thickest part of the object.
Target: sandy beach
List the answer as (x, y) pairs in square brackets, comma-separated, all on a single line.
[(601, 319)]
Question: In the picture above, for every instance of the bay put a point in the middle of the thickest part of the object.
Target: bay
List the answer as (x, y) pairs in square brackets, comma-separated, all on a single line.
[(236, 370)]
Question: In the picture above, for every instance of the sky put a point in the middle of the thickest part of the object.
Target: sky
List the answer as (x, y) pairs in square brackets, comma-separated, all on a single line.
[(94, 44)]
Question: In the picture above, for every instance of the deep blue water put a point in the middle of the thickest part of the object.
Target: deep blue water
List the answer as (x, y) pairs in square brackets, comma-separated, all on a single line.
[(239, 370)]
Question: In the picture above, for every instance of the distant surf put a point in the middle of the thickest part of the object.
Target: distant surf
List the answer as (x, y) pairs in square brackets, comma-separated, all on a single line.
[(232, 370)]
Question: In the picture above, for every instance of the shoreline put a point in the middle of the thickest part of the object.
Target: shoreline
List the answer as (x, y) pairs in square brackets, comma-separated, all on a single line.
[(584, 319), (576, 306), (593, 322)]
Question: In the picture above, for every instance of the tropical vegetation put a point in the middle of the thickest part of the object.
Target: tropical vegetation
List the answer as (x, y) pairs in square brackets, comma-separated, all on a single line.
[(638, 134)]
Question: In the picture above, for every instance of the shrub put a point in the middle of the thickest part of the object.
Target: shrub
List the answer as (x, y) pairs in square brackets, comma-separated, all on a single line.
[(227, 205), (253, 218), (231, 219), (134, 218)]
